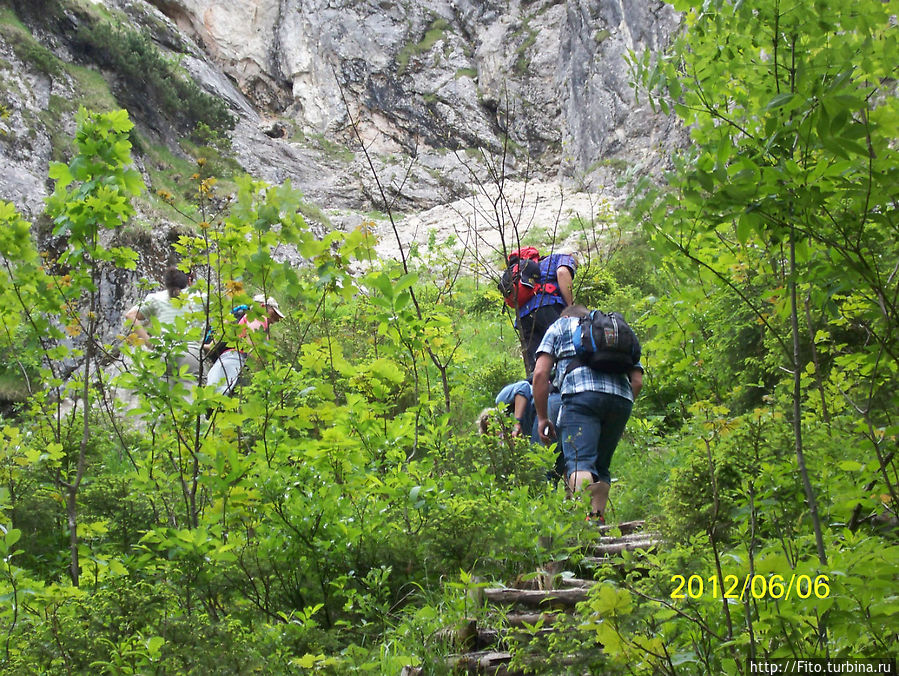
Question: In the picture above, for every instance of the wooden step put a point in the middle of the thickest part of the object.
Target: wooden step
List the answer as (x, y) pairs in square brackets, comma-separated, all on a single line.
[(631, 537), (492, 637), (481, 662), (479, 650), (478, 662), (626, 527), (575, 582), (530, 619), (618, 545), (536, 598), (466, 635)]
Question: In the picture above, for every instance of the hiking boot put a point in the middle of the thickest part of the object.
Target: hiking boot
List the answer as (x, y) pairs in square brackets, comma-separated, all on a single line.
[(596, 518)]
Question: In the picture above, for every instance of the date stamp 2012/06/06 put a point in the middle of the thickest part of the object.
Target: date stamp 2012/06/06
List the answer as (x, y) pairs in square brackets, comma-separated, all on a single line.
[(751, 586)]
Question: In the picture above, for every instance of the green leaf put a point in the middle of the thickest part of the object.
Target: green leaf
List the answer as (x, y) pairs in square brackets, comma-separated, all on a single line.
[(406, 281), (402, 300), (12, 537), (133, 181), (308, 661), (119, 121), (154, 645), (779, 101), (60, 172), (382, 283)]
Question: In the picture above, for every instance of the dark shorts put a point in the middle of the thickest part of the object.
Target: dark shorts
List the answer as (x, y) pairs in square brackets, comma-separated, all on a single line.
[(533, 327), (591, 425)]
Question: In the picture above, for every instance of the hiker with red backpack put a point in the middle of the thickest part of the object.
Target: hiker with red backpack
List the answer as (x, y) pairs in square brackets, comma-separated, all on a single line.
[(538, 289), (596, 356)]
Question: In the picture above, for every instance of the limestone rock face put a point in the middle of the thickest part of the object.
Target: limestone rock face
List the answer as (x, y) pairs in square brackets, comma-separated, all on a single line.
[(438, 92), (432, 85), (458, 73), (24, 153)]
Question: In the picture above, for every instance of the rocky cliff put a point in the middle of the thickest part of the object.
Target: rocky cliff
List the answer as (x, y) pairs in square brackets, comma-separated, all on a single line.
[(547, 79), (421, 76), (436, 91)]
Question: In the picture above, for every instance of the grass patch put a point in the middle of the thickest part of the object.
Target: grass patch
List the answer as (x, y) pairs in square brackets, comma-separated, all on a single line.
[(523, 61), (313, 212), (173, 178), (331, 149), (602, 35), (435, 32), (467, 72), (26, 48), (169, 174), (58, 108), (93, 89), (616, 163)]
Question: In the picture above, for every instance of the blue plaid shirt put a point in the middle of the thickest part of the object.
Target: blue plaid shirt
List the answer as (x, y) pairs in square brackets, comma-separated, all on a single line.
[(559, 343)]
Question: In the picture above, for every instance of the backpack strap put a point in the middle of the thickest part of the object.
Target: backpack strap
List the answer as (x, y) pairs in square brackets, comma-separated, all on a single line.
[(549, 289), (576, 362)]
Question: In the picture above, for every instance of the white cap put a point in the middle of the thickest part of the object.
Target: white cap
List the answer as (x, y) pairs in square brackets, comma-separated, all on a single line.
[(269, 302)]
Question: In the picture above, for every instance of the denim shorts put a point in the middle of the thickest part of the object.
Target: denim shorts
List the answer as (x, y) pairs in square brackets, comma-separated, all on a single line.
[(591, 425)]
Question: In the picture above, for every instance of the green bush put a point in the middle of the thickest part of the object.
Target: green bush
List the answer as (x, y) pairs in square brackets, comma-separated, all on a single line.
[(594, 286), (486, 300), (147, 74)]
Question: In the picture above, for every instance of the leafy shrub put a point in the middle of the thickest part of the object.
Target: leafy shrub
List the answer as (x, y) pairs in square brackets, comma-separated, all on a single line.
[(689, 499), (486, 301), (594, 286), (205, 135), (127, 514), (145, 72)]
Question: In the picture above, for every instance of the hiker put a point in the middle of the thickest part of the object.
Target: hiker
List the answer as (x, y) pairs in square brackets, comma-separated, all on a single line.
[(166, 307), (551, 292), (595, 408), (225, 372), (517, 398)]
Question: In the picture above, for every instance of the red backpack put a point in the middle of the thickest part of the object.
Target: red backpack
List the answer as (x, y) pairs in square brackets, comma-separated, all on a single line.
[(521, 280)]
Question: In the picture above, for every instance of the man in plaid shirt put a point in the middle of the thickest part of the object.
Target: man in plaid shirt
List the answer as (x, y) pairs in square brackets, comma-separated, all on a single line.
[(595, 409)]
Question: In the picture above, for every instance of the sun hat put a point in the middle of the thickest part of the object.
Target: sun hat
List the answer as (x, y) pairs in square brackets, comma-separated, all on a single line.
[(269, 302)]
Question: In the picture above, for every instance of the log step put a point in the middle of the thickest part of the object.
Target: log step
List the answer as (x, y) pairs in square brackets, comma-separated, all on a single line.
[(553, 598), (626, 527), (479, 650), (530, 619), (618, 545), (631, 537), (481, 662)]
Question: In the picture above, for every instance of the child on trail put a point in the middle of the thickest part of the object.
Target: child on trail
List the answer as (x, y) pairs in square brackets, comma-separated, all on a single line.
[(225, 372)]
